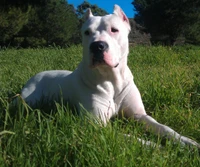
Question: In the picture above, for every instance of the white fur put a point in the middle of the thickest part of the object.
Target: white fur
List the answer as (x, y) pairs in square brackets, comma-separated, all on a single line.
[(105, 90)]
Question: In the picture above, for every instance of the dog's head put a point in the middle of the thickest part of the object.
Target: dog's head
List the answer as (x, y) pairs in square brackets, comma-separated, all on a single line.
[(105, 39)]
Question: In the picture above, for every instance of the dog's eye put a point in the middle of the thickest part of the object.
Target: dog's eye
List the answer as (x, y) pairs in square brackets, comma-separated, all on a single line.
[(114, 30), (87, 32)]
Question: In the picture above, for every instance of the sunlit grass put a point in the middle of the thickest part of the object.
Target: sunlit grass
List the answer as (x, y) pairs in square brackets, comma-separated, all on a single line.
[(168, 79)]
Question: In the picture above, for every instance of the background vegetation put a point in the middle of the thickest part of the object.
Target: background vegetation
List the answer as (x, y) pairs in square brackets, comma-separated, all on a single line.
[(166, 20), (168, 79), (55, 22), (41, 22)]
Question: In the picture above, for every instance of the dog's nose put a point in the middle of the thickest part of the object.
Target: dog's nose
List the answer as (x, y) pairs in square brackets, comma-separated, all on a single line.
[(98, 46)]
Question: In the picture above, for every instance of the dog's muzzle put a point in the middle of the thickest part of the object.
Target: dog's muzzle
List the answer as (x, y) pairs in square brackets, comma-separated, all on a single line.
[(97, 49)]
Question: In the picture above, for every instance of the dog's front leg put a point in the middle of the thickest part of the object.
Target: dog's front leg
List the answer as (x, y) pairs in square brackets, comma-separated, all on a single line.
[(135, 109), (165, 131)]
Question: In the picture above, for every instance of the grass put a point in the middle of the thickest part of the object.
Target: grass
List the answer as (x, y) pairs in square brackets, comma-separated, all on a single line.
[(168, 79)]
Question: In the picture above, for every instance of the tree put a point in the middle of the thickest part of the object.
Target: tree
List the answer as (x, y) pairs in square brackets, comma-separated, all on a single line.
[(59, 22), (12, 19), (14, 15), (96, 11), (170, 18), (192, 34), (37, 23), (53, 22)]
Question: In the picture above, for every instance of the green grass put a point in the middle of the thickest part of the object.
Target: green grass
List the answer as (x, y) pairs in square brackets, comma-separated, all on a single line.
[(168, 79)]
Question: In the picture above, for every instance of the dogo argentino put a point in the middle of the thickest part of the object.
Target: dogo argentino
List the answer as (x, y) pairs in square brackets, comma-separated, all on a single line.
[(103, 83)]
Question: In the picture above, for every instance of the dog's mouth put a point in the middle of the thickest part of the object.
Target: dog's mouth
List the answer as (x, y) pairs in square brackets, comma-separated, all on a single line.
[(100, 54), (99, 60)]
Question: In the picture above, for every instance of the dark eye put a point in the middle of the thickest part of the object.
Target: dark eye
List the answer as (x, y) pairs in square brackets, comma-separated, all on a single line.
[(87, 32), (114, 30)]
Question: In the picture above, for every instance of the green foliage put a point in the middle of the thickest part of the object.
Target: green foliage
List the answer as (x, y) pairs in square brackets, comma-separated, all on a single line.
[(193, 33), (168, 79), (96, 11), (60, 22), (11, 22), (42, 23), (53, 22), (170, 18)]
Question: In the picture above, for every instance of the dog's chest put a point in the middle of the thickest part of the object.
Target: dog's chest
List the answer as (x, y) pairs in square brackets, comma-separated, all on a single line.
[(110, 102)]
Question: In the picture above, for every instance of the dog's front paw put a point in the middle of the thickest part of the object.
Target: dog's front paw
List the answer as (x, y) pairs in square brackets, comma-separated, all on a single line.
[(188, 141)]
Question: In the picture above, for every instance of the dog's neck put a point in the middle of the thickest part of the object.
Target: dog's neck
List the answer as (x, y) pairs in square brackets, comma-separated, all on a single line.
[(106, 79)]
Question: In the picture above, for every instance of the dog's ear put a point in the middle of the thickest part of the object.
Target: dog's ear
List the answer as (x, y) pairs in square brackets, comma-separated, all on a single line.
[(119, 12), (88, 14)]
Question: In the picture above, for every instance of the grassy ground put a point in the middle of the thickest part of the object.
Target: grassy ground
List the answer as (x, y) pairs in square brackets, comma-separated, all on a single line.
[(168, 79)]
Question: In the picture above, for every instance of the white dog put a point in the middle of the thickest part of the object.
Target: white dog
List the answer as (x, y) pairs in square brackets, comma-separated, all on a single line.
[(103, 83)]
